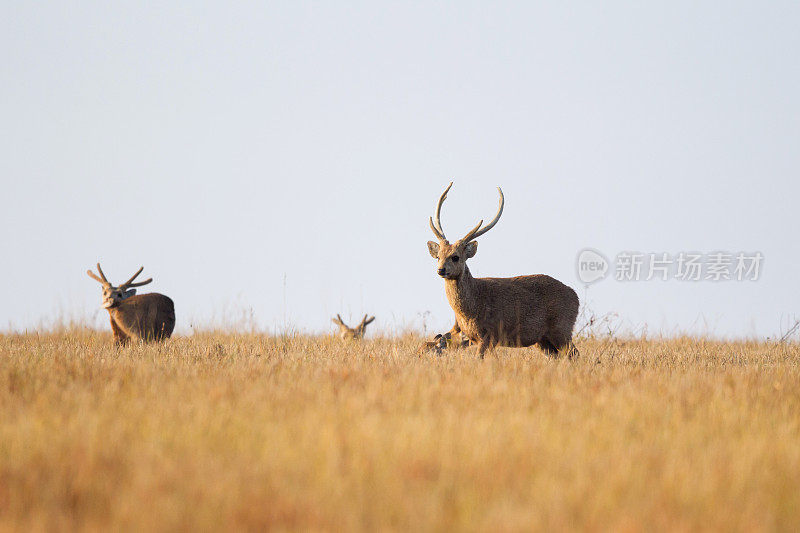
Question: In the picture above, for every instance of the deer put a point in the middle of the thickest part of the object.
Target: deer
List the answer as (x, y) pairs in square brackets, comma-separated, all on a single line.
[(145, 317), (348, 333), (443, 341), (519, 311)]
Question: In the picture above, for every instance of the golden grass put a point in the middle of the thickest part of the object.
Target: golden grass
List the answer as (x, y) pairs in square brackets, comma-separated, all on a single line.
[(217, 431)]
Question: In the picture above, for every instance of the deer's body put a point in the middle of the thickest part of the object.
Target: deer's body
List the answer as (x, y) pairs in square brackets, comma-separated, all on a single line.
[(147, 317), (519, 311)]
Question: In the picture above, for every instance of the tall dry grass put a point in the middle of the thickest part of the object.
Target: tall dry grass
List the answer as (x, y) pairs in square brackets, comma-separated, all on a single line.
[(217, 431)]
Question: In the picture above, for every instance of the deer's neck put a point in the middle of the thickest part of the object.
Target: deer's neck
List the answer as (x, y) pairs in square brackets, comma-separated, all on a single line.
[(119, 326), (461, 294)]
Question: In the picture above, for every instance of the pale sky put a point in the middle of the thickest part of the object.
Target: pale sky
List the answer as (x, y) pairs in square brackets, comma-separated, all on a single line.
[(279, 161)]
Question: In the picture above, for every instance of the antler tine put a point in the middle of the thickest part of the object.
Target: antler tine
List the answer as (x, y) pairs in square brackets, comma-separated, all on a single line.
[(369, 320), (477, 231), (439, 234), (338, 320), (469, 236), (105, 280), (139, 283), (436, 224), (95, 277), (128, 283)]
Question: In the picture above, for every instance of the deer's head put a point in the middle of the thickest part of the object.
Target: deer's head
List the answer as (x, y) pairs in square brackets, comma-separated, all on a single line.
[(112, 295), (452, 258), (347, 332)]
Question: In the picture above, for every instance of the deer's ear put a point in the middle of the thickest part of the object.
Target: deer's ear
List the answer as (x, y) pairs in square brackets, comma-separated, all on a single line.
[(471, 249), (433, 248)]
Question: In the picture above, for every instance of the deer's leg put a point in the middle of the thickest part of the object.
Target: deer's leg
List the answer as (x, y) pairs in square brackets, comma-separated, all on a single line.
[(572, 351), (464, 341), (564, 346), (483, 345), (161, 333), (548, 348), (120, 337)]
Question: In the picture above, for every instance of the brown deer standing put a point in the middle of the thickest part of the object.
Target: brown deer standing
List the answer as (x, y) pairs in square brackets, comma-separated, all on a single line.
[(348, 333), (147, 317), (519, 311)]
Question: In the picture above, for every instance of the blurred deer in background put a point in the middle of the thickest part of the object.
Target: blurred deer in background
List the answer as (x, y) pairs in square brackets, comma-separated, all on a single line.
[(519, 311), (146, 317), (348, 333)]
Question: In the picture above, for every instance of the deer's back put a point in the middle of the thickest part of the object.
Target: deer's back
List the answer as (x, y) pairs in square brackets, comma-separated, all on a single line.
[(541, 287), (522, 309), (147, 316)]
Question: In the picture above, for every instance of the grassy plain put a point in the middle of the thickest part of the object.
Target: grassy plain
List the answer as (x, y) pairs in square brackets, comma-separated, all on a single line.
[(215, 431)]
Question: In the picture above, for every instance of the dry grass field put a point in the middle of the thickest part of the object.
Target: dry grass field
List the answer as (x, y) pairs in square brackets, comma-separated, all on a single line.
[(216, 431)]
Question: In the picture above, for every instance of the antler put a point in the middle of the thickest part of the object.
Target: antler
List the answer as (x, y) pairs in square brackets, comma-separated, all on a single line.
[(436, 225), (92, 275), (102, 275), (474, 233), (130, 283), (366, 320), (477, 231), (338, 320)]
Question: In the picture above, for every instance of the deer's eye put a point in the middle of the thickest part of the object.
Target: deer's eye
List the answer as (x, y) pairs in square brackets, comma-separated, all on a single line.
[(455, 259)]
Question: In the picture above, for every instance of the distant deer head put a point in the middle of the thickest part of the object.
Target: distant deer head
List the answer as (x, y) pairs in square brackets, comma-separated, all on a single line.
[(452, 258), (145, 317), (112, 296), (346, 332)]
